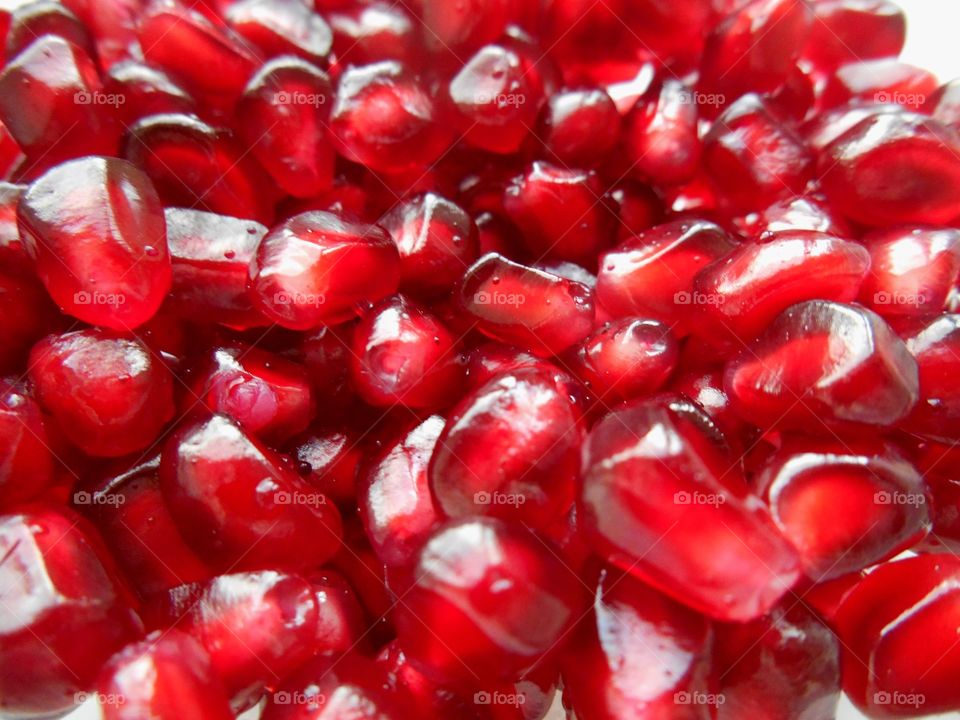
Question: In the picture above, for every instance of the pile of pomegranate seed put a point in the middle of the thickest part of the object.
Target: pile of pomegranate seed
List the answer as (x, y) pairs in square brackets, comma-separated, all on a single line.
[(375, 360)]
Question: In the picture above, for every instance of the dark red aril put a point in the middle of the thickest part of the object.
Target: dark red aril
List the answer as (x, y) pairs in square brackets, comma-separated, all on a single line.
[(580, 127), (935, 344), (661, 134), (26, 462), (850, 30), (281, 27)]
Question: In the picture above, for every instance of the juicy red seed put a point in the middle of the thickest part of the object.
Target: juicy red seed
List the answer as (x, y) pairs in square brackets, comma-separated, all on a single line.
[(329, 460), (754, 156), (211, 255), (428, 698), (45, 17), (63, 611), (856, 168), (326, 355), (341, 622), (181, 680), (195, 165), (375, 31), (493, 358), (738, 296), (108, 394), (437, 241), (945, 535), (561, 213), (510, 449), (611, 674), (277, 27), (519, 305), (26, 315), (626, 358), (404, 354), (913, 271), (580, 127), (256, 627), (658, 487), (796, 213), (849, 30), (145, 91), (823, 129), (638, 207), (467, 25), (898, 632), (823, 365), (705, 388), (662, 140), (881, 81), (317, 268), (384, 118), (935, 345), (11, 156), (495, 98), (26, 463), (239, 506), (944, 105), (497, 599), (879, 492)]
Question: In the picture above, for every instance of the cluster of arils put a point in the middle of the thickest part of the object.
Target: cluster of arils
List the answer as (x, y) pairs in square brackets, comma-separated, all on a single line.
[(430, 358)]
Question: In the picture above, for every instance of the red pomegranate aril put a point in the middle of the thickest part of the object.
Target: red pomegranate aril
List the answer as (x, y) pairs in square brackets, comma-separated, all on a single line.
[(283, 116), (207, 58), (519, 305), (341, 622), (892, 169), (239, 506), (165, 676), (651, 274), (638, 206), (823, 365), (329, 461), (108, 394), (317, 268), (824, 128), (510, 449), (850, 30), (211, 255), (403, 354), (63, 612), (256, 627), (437, 241), (754, 157), (267, 395), (898, 633), (705, 388), (113, 26), (96, 231), (561, 213), (738, 296), (326, 355), (658, 487), (51, 102), (626, 358), (385, 119), (44, 17), (661, 134), (281, 27), (493, 358), (11, 156), (371, 32), (496, 98), (580, 127), (145, 91), (754, 48), (881, 495), (26, 315), (945, 536), (791, 214), (429, 700), (783, 666), (26, 462), (453, 27), (935, 345), (195, 165), (639, 654), (797, 97), (913, 271), (944, 105), (129, 511), (880, 81), (497, 600)]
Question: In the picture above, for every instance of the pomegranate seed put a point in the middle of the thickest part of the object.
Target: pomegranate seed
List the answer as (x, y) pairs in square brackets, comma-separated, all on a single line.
[(705, 388), (467, 25), (497, 599), (662, 140), (211, 255), (63, 612), (256, 627), (822, 130), (11, 157), (341, 622), (281, 27), (375, 31), (580, 127), (797, 97), (113, 26), (108, 394), (880, 81), (429, 700), (437, 241), (638, 206), (44, 17), (823, 365), (658, 487), (26, 315), (874, 486), (897, 629), (317, 268), (945, 536), (652, 670), (180, 681), (796, 213), (849, 30), (496, 98), (26, 463), (145, 91), (520, 305), (239, 506), (856, 168), (331, 459), (944, 105), (651, 274), (384, 118), (934, 345), (784, 665), (493, 358), (326, 356), (560, 212)]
